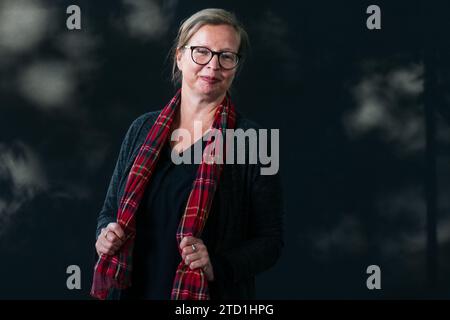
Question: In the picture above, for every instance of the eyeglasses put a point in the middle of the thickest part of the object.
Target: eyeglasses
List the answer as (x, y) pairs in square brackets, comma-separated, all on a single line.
[(202, 55)]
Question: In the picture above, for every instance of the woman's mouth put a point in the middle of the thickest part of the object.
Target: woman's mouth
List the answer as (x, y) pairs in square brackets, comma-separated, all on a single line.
[(209, 80)]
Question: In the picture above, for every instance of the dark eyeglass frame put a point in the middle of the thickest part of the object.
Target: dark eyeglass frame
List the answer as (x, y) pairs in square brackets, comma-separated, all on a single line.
[(213, 53)]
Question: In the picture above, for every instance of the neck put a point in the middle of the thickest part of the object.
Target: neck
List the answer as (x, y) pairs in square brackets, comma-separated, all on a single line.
[(197, 108)]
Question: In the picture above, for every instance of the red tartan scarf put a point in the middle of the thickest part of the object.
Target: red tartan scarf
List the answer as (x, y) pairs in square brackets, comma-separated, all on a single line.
[(115, 271)]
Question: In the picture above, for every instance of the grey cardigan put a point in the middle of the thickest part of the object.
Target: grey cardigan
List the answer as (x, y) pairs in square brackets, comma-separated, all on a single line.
[(249, 232)]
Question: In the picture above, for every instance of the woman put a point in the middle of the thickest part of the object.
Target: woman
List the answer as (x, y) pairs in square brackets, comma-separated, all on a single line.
[(189, 231)]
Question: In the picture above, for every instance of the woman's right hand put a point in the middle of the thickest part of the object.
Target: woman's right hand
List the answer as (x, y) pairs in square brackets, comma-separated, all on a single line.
[(110, 239)]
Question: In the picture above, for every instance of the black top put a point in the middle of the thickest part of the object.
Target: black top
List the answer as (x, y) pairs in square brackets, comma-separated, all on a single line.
[(156, 255)]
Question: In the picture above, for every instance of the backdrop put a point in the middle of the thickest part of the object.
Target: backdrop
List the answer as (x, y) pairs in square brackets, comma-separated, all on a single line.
[(364, 128)]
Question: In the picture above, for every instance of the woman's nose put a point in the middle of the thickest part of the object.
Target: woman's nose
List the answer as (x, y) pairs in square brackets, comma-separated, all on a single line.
[(214, 62)]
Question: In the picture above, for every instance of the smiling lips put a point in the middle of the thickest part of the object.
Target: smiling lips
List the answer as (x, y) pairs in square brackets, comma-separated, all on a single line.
[(209, 80)]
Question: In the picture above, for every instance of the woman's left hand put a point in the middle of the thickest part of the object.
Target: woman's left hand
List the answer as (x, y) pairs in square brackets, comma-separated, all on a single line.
[(198, 258)]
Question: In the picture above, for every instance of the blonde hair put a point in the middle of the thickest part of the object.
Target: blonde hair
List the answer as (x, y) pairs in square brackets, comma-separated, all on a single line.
[(191, 25)]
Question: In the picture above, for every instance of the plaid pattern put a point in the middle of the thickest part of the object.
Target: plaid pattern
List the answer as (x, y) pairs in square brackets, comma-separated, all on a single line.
[(115, 271)]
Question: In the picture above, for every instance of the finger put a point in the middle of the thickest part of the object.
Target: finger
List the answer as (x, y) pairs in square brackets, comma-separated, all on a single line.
[(102, 233), (198, 264), (112, 249), (104, 241), (189, 240), (192, 257), (112, 237), (97, 248), (185, 252), (117, 229), (185, 241), (103, 246), (105, 250), (200, 247), (109, 244), (106, 245), (102, 249)]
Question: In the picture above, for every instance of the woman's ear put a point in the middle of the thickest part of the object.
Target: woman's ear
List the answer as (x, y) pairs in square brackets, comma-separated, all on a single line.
[(179, 55)]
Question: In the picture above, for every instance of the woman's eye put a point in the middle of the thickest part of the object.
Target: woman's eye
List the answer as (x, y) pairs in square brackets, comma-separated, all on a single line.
[(202, 51), (228, 57)]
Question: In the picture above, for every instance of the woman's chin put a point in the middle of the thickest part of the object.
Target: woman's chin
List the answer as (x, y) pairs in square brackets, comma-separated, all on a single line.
[(210, 90)]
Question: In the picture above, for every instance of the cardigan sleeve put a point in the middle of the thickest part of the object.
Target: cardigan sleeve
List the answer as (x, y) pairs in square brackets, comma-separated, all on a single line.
[(109, 209), (265, 238), (137, 131)]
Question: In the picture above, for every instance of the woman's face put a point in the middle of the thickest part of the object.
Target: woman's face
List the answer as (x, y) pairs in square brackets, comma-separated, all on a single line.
[(209, 80)]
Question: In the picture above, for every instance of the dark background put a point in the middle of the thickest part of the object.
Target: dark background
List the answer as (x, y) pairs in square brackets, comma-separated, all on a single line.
[(363, 118)]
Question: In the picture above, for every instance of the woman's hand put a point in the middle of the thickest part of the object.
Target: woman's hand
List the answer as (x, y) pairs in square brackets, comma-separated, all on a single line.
[(198, 258), (110, 239)]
